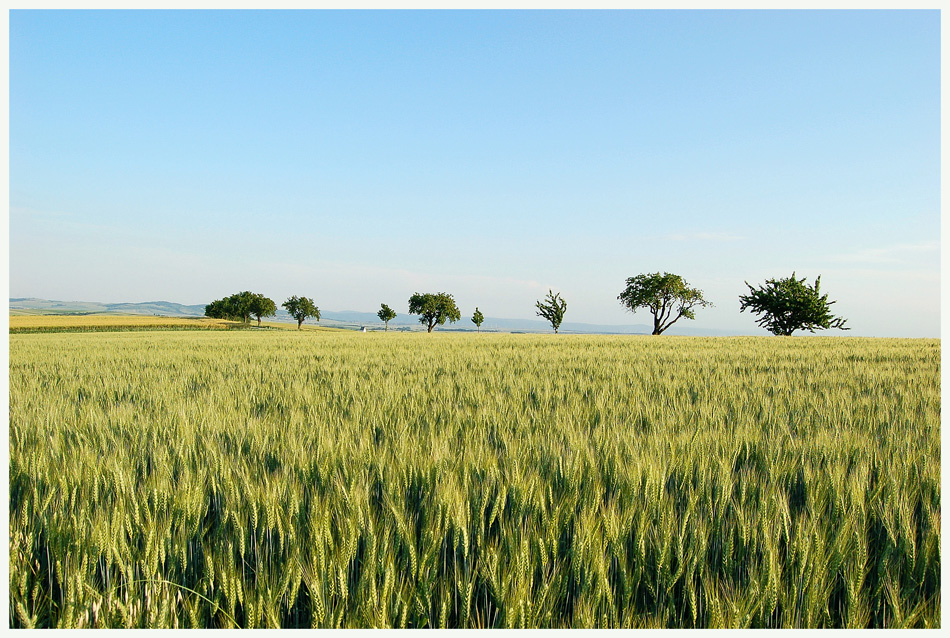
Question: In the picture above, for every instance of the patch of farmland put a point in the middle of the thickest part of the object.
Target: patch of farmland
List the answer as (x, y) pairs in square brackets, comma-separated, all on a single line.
[(285, 479), (33, 323)]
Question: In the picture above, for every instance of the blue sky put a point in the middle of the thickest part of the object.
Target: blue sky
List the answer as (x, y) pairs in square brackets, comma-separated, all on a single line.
[(358, 157)]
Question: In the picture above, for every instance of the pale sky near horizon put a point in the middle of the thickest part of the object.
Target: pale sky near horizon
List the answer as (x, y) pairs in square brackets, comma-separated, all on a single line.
[(358, 157)]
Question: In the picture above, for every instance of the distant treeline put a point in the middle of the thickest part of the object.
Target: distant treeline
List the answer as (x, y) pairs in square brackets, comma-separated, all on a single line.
[(784, 305)]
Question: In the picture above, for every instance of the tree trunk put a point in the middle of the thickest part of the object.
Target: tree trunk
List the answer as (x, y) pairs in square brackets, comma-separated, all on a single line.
[(299, 323), (258, 322)]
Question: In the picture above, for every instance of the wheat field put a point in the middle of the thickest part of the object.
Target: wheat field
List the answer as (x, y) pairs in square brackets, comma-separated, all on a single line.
[(109, 322), (32, 323), (333, 479)]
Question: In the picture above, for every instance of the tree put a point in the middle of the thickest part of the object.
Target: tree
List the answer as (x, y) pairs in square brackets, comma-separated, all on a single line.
[(386, 314), (218, 309), (789, 304), (237, 307), (434, 310), (667, 296), (262, 306), (241, 304), (478, 318), (552, 309), (301, 308)]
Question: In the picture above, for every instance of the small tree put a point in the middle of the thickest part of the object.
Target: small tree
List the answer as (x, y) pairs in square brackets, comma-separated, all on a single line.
[(261, 306), (478, 318), (552, 309), (386, 314), (301, 308), (668, 297), (434, 309), (789, 304)]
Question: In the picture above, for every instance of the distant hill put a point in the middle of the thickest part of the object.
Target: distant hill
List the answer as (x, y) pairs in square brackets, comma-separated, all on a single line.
[(344, 318), (161, 308)]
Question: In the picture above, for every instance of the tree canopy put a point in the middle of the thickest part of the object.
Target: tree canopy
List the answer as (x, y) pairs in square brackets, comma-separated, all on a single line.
[(238, 307), (790, 304), (262, 306), (434, 309), (478, 318), (218, 309), (552, 309), (667, 296), (301, 308), (386, 314), (241, 304)]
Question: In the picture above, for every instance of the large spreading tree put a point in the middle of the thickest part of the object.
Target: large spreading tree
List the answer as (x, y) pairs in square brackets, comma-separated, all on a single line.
[(667, 296), (301, 308), (790, 304), (552, 308), (434, 309)]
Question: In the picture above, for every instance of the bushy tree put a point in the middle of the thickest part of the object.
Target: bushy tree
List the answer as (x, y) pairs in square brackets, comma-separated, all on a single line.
[(667, 296), (242, 303), (262, 306), (219, 309), (552, 309), (434, 309), (386, 314), (237, 307), (790, 304), (301, 308), (478, 318)]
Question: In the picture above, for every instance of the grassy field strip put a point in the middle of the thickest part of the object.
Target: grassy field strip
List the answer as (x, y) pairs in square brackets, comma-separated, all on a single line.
[(27, 323), (276, 478), (22, 321)]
